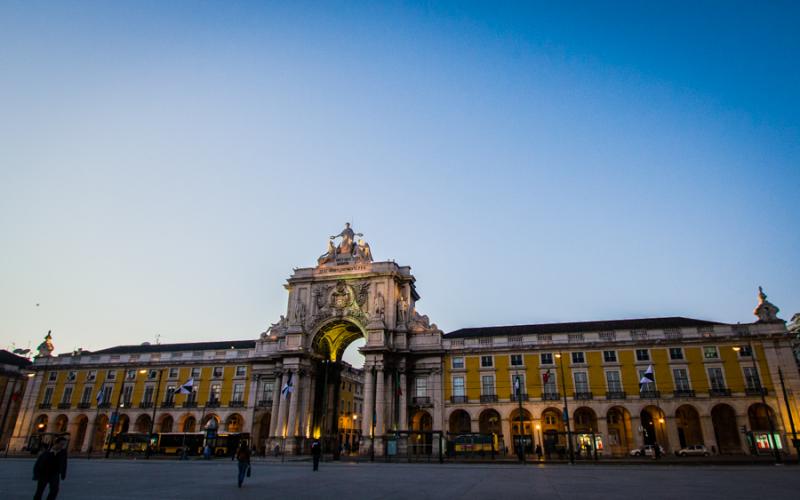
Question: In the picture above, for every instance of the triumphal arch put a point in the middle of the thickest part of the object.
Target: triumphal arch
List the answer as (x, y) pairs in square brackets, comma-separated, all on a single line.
[(348, 296)]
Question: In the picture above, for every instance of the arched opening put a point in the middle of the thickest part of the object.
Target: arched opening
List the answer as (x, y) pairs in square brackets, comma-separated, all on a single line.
[(78, 432), (333, 338), (123, 424), (189, 424), (101, 427), (207, 419), (489, 423), (586, 437), (620, 432), (688, 422), (142, 424), (166, 423), (654, 427), (60, 423), (234, 423), (554, 435), (459, 423), (421, 437), (521, 432), (762, 421), (263, 433), (726, 432)]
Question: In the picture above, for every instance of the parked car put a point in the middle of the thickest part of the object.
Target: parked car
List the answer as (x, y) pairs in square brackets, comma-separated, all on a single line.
[(648, 450), (694, 450)]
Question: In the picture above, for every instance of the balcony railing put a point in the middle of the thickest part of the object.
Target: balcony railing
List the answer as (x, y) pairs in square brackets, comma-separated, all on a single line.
[(212, 404), (64, 406), (458, 399), (105, 404), (551, 396), (45, 406), (615, 395), (755, 391), (84, 405), (650, 394), (488, 398), (190, 404), (236, 404), (264, 403), (522, 397), (146, 404), (168, 404), (683, 393), (582, 395), (719, 392), (421, 401)]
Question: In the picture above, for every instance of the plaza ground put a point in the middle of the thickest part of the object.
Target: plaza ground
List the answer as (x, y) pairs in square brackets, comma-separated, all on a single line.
[(129, 479)]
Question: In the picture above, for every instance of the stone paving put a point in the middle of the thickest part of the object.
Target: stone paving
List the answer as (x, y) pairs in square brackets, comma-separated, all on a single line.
[(157, 479)]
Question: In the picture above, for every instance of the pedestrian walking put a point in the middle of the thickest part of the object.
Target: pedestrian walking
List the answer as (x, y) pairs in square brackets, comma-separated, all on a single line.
[(243, 457), (49, 468), (539, 451), (316, 452)]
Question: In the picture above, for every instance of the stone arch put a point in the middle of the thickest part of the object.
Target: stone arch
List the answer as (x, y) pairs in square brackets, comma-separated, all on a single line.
[(521, 434), (726, 432), (459, 422), (188, 423), (620, 430), (60, 423), (654, 426), (585, 420), (234, 423), (262, 431), (166, 423), (123, 424), (142, 424), (553, 431), (759, 416), (489, 422), (80, 425), (421, 438), (332, 337), (687, 420), (100, 429), (208, 419)]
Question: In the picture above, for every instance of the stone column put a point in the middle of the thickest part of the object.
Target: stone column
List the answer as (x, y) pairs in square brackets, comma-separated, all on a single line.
[(743, 420), (369, 381), (380, 402), (294, 397), (602, 430), (305, 404), (403, 402), (709, 437), (283, 409), (88, 435), (672, 434), (438, 407), (276, 403), (638, 438), (505, 428)]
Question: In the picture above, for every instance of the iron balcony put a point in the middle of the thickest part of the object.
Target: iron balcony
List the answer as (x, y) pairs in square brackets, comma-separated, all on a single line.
[(616, 395)]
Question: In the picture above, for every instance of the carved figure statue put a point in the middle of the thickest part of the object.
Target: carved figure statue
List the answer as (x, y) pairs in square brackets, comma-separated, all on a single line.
[(402, 310), (766, 311), (328, 256), (299, 312), (380, 305), (346, 245), (46, 348)]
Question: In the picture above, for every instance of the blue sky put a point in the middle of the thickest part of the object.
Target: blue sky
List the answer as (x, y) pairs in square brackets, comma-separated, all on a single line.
[(163, 167)]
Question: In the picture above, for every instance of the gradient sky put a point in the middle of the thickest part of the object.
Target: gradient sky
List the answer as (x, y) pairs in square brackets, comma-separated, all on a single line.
[(165, 165)]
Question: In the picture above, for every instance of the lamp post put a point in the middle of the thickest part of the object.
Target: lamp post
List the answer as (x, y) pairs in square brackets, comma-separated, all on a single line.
[(760, 388), (541, 440), (518, 391), (795, 442), (147, 451), (566, 410)]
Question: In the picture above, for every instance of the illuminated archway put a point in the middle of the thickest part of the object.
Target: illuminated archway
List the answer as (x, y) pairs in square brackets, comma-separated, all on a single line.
[(333, 337)]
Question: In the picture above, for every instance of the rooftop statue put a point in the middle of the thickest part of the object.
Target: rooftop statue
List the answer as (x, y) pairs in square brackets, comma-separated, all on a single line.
[(347, 249)]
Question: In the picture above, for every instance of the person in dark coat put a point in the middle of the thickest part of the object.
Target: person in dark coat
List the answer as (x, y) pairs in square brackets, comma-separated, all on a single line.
[(243, 457), (49, 467), (316, 452)]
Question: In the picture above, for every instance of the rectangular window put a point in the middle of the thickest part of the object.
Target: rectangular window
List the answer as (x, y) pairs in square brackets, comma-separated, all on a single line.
[(614, 381), (91, 375), (67, 396), (169, 396), (745, 351), (751, 378), (646, 387), (516, 360), (487, 361), (51, 377), (107, 389), (487, 385), (546, 358), (241, 371), (152, 374), (577, 357), (48, 396), (238, 393), (196, 373), (71, 376), (710, 352), (216, 392), (458, 386), (268, 391), (610, 356), (421, 387), (581, 382), (127, 393), (192, 397), (86, 397), (148, 394), (549, 383), (217, 371), (642, 355), (681, 379), (458, 362), (675, 353), (111, 375), (716, 379), (173, 373), (130, 375)]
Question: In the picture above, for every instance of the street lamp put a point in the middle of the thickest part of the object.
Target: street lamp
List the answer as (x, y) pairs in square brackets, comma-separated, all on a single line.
[(566, 411), (775, 450), (147, 450)]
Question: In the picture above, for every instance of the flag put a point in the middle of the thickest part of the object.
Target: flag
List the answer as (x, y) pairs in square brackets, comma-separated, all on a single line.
[(546, 376), (100, 397), (647, 377), (287, 388), (516, 384), (186, 388)]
